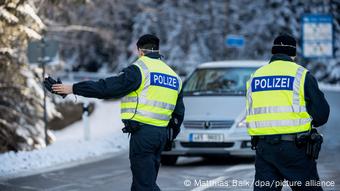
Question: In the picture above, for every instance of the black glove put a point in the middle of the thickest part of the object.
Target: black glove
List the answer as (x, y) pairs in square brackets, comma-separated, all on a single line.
[(169, 140), (173, 130), (49, 82), (175, 126)]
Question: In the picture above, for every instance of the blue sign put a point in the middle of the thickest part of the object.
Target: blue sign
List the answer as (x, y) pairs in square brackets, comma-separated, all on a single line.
[(163, 80), (266, 83), (317, 36), (235, 41)]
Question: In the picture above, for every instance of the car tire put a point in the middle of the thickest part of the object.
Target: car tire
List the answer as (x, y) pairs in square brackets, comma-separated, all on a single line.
[(169, 160)]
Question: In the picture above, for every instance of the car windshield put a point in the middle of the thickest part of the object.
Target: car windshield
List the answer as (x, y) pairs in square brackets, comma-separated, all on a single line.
[(218, 81)]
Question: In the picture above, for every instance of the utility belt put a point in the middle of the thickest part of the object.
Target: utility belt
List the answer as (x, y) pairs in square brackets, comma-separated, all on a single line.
[(311, 139), (130, 126), (134, 126)]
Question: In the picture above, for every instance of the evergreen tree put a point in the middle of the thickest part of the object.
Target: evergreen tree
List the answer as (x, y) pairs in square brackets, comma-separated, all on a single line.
[(21, 111)]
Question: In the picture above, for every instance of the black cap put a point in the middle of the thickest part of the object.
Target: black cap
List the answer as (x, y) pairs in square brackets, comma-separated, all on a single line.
[(148, 41), (284, 44)]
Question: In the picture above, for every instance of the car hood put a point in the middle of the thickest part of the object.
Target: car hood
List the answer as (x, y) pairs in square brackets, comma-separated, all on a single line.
[(213, 107)]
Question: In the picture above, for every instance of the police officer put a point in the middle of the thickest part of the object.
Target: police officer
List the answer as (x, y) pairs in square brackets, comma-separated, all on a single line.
[(151, 101), (284, 101)]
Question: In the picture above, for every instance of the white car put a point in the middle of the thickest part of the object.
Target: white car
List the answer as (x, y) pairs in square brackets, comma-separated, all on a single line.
[(214, 122)]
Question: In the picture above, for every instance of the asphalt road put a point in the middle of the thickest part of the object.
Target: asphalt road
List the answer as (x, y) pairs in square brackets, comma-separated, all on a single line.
[(189, 174)]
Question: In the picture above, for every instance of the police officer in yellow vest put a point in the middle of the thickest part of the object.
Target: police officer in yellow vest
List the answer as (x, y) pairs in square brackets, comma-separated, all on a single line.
[(151, 102), (283, 103)]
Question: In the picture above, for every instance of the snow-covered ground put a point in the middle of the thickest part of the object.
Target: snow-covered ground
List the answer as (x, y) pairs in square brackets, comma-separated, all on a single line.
[(70, 146), (329, 87)]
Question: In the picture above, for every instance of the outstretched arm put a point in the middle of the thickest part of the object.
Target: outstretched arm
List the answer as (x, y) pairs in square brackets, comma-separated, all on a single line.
[(113, 87)]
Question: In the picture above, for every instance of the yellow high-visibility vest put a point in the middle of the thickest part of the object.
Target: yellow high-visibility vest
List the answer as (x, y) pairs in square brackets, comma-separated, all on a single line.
[(276, 100), (155, 99)]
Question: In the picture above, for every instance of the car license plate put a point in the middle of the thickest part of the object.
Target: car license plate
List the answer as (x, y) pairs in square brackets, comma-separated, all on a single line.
[(205, 137)]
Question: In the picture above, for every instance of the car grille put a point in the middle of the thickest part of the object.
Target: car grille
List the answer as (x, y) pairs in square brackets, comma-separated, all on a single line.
[(207, 144), (208, 124)]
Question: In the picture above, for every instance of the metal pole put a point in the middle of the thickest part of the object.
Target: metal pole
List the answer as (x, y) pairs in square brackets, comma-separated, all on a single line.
[(43, 63)]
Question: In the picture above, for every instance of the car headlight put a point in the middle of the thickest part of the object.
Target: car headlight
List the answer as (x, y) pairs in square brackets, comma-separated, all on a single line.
[(242, 123)]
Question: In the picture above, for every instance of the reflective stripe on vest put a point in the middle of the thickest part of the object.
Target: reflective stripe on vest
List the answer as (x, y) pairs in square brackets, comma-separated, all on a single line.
[(149, 102), (278, 123), (278, 109), (155, 99), (261, 119), (146, 114), (249, 101), (296, 87)]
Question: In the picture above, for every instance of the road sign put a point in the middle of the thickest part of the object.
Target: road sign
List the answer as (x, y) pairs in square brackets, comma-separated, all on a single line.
[(235, 41), (34, 51), (317, 36)]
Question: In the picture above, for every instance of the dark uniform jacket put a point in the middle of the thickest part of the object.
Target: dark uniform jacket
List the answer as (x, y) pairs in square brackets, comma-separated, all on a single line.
[(316, 104), (119, 86)]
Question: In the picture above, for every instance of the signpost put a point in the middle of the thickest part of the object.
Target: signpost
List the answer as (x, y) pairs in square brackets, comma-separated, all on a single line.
[(34, 51), (317, 36), (235, 41), (42, 52), (85, 117)]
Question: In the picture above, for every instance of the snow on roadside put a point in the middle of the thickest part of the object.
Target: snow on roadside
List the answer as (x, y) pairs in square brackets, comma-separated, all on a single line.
[(329, 87), (70, 146)]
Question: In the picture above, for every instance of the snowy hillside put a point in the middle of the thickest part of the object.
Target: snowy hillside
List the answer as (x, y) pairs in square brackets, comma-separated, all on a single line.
[(70, 146)]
